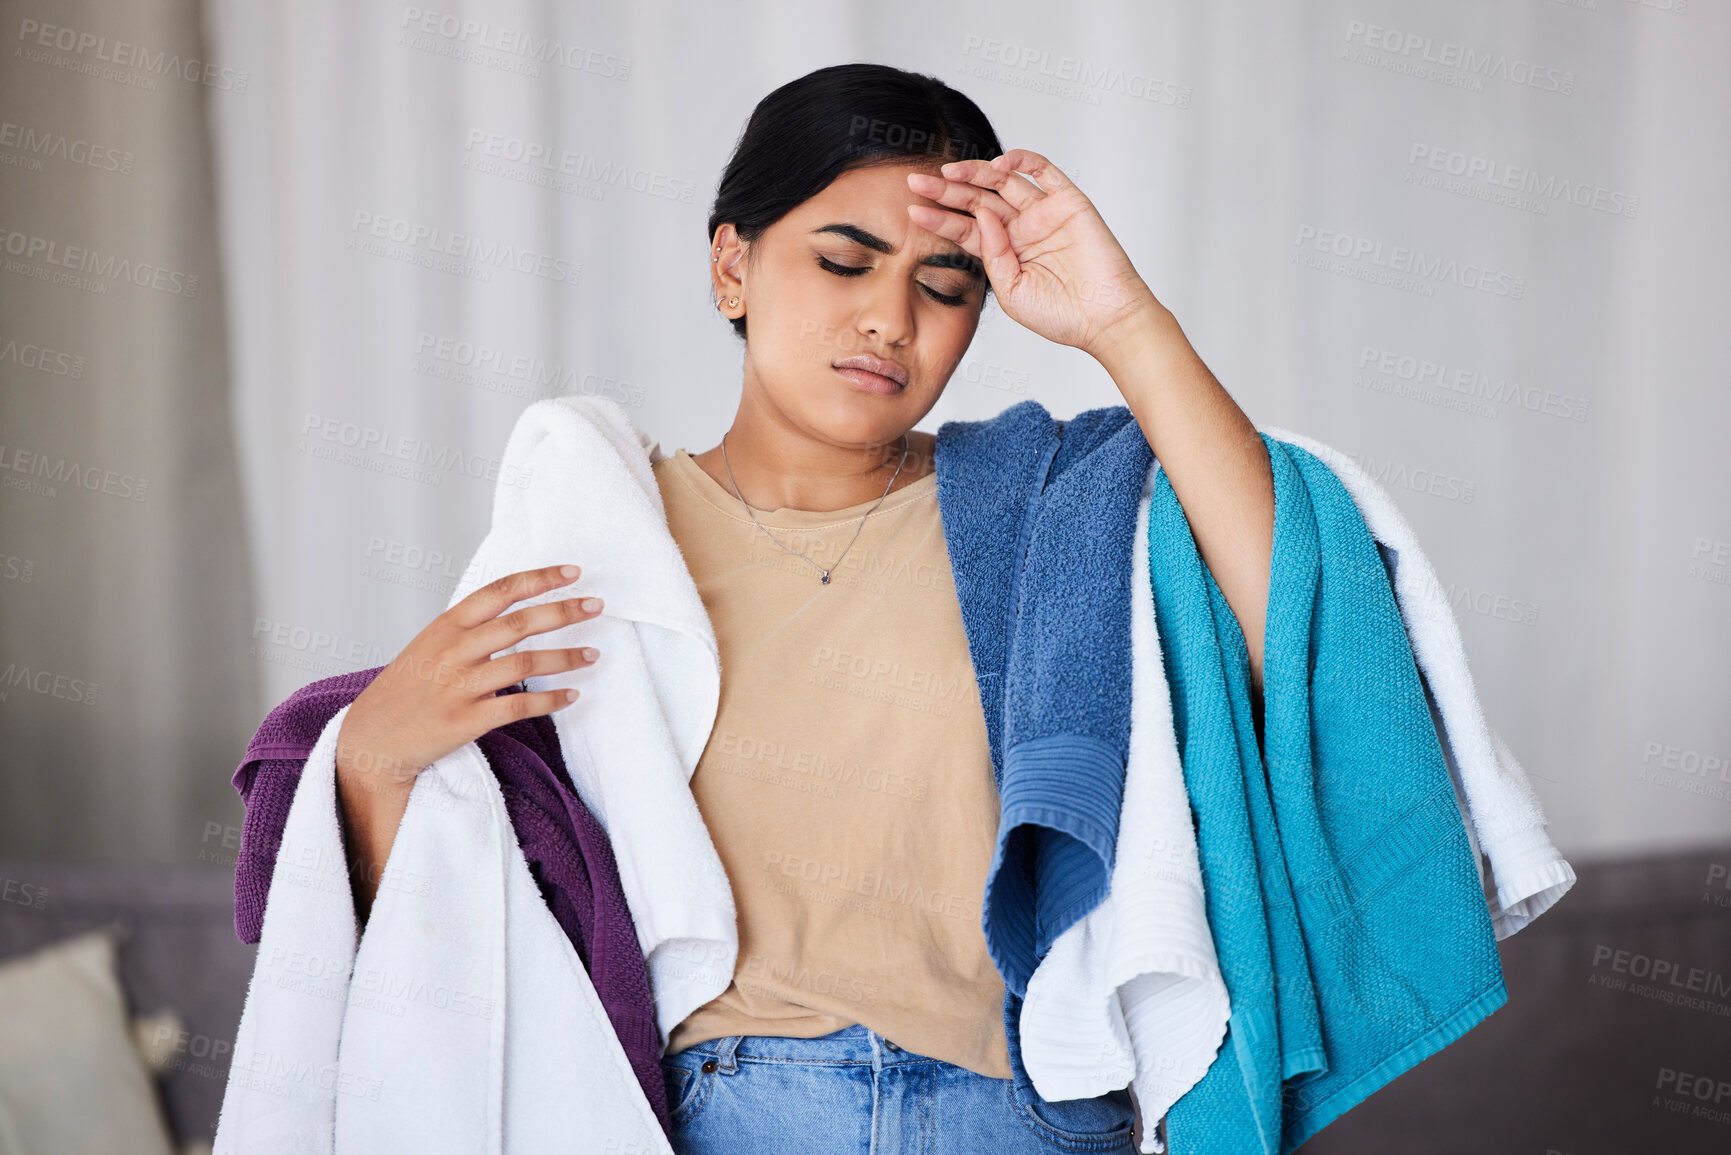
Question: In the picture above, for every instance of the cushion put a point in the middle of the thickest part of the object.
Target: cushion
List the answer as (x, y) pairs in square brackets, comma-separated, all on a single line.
[(71, 1078)]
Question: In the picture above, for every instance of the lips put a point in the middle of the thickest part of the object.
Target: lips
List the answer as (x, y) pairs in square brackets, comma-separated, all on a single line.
[(874, 373)]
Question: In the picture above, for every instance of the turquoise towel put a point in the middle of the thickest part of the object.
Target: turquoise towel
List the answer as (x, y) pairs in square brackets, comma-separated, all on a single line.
[(1343, 897)]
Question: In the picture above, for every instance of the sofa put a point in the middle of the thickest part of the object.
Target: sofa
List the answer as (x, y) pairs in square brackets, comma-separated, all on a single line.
[(1616, 1036)]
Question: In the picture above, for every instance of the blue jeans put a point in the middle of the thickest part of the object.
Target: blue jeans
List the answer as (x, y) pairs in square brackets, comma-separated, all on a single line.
[(852, 1092)]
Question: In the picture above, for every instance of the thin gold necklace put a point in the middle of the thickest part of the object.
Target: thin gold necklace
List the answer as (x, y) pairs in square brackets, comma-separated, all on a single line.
[(856, 529)]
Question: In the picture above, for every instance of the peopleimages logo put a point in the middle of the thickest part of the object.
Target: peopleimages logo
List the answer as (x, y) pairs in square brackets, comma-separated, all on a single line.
[(1697, 772), (464, 249), (539, 163), (457, 36), (1447, 61), (55, 362), (45, 471), (1513, 185), (1710, 561), (33, 36), (1398, 475), (1466, 384), (1677, 979), (1486, 603), (364, 441), (90, 269), (484, 366), (46, 683), (40, 144), (1397, 266), (1069, 77)]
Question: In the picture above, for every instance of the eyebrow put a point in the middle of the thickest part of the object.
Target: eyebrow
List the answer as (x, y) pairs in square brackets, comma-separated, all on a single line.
[(947, 259)]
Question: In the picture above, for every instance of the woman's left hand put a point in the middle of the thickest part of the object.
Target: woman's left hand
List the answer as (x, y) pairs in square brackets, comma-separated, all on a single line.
[(1053, 263)]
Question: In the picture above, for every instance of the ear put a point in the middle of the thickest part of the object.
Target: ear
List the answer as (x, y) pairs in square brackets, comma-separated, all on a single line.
[(726, 253)]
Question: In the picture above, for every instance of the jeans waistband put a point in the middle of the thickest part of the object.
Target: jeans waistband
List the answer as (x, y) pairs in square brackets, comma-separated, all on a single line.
[(853, 1044)]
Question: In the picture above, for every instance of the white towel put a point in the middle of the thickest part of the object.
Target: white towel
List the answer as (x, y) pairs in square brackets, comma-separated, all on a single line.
[(463, 1020), (632, 739), (1132, 993)]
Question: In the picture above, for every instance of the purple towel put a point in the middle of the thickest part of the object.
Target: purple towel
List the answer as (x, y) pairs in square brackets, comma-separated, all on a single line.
[(567, 850)]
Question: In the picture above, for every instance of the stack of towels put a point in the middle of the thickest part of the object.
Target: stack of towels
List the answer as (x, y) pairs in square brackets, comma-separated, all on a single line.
[(1207, 902)]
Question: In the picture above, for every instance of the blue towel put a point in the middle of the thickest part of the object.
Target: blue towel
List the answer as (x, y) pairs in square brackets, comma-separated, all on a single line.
[(1343, 897), (1039, 519)]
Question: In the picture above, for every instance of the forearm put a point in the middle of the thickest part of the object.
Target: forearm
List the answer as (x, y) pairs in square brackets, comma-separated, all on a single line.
[(1211, 454), (371, 807)]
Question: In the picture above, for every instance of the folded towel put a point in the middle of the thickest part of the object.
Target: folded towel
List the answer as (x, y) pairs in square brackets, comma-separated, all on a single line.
[(1039, 520), (1133, 993), (1529, 873), (461, 1021), (632, 739), (566, 849), (458, 1074), (1375, 935)]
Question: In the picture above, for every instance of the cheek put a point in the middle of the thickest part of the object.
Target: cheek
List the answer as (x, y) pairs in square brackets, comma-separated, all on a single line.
[(807, 313), (947, 344), (951, 332), (816, 320)]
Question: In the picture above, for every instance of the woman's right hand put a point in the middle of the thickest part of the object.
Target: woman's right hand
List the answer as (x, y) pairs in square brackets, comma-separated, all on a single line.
[(440, 693)]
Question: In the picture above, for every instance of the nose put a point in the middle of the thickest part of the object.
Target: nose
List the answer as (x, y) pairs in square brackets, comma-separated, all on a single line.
[(886, 314)]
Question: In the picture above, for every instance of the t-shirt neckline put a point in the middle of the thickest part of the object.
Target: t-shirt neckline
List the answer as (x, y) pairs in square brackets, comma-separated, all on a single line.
[(725, 501)]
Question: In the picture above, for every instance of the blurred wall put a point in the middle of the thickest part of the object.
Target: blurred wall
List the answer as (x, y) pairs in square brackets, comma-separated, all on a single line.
[(125, 575), (1480, 247)]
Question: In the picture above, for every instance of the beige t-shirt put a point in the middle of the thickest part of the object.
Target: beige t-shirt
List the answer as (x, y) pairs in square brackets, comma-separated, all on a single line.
[(847, 783)]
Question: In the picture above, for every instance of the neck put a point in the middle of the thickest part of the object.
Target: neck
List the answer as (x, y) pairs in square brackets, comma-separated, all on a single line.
[(777, 466)]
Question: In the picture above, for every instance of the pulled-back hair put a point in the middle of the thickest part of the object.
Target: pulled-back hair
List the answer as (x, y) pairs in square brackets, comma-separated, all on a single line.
[(806, 133)]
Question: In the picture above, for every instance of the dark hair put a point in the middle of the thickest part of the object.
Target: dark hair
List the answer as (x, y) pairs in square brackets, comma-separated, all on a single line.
[(806, 133)]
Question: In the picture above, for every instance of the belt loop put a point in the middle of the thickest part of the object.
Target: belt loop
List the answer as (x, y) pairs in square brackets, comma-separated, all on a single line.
[(724, 1053)]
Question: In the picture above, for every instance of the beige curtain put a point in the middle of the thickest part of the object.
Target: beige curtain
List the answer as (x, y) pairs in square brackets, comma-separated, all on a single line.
[(1498, 285), (126, 693)]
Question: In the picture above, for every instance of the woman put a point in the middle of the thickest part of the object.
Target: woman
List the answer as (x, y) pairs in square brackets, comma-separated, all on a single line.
[(862, 220)]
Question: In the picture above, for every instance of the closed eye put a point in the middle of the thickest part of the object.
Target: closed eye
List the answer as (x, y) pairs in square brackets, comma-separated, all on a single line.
[(843, 270), (858, 270)]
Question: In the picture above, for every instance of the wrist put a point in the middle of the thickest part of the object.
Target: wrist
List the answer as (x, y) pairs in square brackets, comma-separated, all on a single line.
[(1138, 326), (367, 778), (1148, 329)]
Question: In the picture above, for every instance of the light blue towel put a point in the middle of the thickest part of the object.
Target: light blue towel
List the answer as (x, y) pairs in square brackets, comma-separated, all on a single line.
[(1343, 897), (1341, 891), (1039, 518)]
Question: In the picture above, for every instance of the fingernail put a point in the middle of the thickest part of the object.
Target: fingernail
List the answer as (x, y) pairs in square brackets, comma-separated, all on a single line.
[(592, 605), (568, 571), (590, 653)]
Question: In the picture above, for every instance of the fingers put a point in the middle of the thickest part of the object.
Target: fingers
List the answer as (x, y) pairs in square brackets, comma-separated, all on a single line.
[(1023, 160), (506, 631), (964, 230), (531, 703), (494, 597), (956, 194), (1006, 175), (984, 237), (509, 669)]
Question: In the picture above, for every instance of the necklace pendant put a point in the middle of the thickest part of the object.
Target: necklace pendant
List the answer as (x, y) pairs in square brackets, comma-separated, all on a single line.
[(825, 577)]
